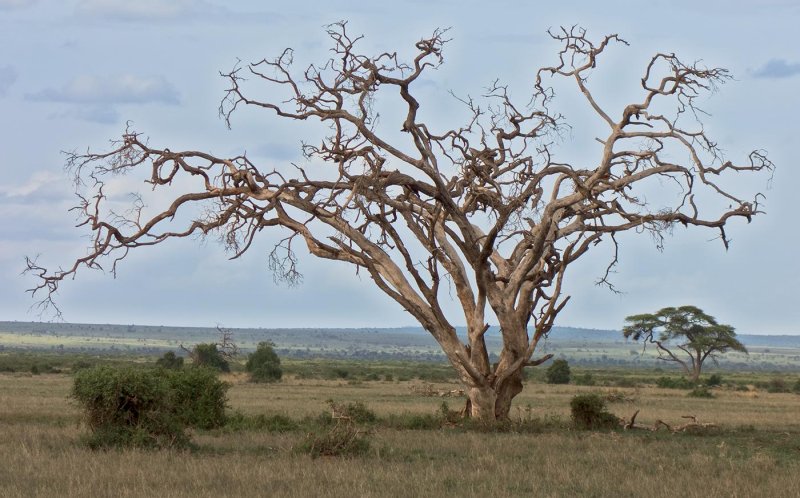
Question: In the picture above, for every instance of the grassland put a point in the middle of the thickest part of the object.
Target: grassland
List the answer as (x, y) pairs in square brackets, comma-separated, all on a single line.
[(755, 451)]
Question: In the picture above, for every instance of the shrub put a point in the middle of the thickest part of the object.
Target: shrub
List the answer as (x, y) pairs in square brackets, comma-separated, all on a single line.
[(714, 380), (207, 355), (170, 361), (589, 412), (263, 365), (344, 439), (357, 411), (198, 397), (777, 385), (796, 387), (81, 365), (147, 407), (674, 383), (585, 379), (558, 372), (700, 392)]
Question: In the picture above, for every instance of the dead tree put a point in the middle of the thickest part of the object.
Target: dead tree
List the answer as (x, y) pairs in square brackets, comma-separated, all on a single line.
[(486, 208), (225, 346)]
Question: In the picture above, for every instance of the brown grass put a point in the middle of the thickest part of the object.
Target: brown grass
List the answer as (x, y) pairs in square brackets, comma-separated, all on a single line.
[(41, 454)]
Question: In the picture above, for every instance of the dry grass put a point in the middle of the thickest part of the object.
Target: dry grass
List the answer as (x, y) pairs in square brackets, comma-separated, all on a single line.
[(41, 454)]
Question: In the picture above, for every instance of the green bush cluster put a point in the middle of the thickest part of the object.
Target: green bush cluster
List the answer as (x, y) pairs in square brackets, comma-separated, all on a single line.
[(714, 380), (170, 361), (263, 365), (674, 383), (145, 407), (779, 385), (700, 392), (589, 412), (208, 355)]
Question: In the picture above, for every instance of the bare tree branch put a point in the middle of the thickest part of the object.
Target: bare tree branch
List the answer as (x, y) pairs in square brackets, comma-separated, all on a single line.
[(487, 205)]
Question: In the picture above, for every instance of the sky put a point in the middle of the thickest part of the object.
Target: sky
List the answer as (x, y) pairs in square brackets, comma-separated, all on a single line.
[(73, 73)]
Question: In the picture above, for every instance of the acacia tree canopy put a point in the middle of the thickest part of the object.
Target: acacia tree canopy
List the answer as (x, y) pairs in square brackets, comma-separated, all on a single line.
[(486, 207), (684, 335)]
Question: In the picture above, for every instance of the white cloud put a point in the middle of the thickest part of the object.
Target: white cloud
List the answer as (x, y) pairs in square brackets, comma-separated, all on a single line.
[(120, 89), (8, 75)]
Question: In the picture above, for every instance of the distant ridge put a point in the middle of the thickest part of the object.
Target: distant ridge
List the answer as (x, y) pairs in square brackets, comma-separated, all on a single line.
[(557, 335)]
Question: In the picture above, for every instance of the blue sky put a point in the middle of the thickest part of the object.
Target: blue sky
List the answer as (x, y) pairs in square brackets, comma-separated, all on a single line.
[(72, 73)]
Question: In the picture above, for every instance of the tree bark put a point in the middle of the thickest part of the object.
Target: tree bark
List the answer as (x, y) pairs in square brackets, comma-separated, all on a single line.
[(482, 402), (506, 392)]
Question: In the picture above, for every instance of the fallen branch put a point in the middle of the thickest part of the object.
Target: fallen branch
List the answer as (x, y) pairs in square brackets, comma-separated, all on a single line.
[(630, 424)]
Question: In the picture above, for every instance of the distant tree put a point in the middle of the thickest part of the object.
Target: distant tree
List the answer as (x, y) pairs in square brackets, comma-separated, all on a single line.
[(170, 361), (207, 355), (684, 335), (558, 372), (215, 355), (264, 364)]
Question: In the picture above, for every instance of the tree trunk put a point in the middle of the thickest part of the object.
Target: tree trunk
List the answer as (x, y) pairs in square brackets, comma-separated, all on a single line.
[(492, 403), (506, 392), (481, 404)]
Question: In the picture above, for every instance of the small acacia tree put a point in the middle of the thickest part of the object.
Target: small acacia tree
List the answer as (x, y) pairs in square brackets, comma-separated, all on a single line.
[(684, 335), (485, 207)]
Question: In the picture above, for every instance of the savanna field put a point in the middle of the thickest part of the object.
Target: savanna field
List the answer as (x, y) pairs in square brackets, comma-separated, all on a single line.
[(412, 441)]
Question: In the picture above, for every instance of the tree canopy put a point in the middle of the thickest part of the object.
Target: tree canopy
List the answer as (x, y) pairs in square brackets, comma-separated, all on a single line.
[(263, 364), (684, 335), (485, 211)]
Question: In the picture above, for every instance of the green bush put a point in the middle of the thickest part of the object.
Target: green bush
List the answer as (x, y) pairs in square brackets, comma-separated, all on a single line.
[(207, 355), (558, 372), (263, 365), (796, 387), (198, 397), (589, 412), (81, 365), (777, 385), (357, 411), (674, 383), (585, 379), (147, 408), (714, 380), (700, 392), (170, 361)]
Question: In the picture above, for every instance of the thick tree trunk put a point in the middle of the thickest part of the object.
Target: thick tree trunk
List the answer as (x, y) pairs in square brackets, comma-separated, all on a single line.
[(482, 402), (506, 392), (493, 403)]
